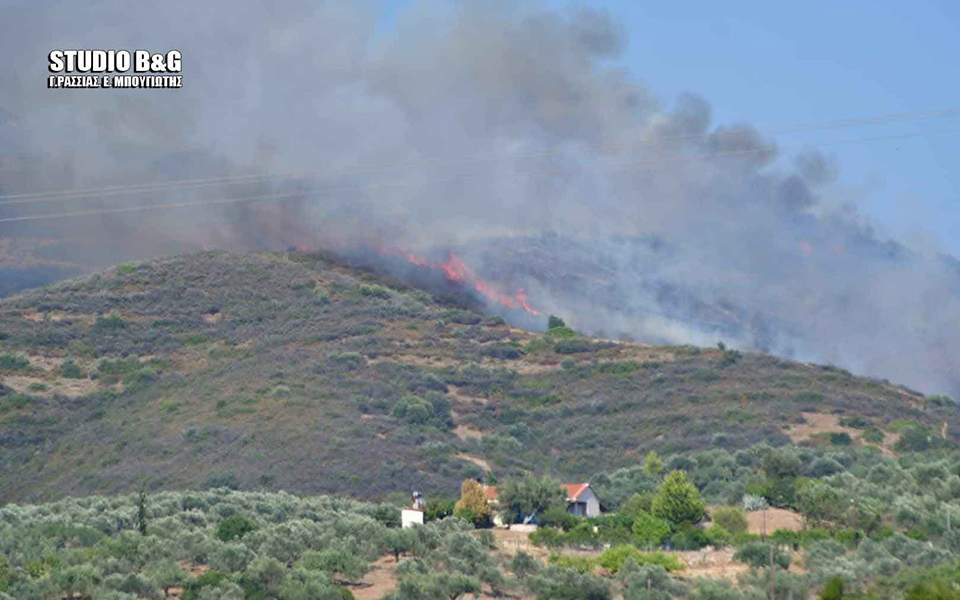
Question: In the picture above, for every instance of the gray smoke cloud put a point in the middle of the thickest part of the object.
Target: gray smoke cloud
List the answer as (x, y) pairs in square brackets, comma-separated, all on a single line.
[(504, 131)]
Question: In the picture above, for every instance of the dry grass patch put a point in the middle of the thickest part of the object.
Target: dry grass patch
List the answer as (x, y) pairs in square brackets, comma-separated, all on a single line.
[(711, 563), (816, 424), (763, 522), (71, 388), (475, 460)]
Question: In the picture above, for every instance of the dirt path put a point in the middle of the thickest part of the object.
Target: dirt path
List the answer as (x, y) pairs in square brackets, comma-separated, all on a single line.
[(475, 460), (379, 581), (465, 432)]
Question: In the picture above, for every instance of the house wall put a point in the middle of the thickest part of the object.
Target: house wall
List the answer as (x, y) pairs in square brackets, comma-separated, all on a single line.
[(410, 518), (592, 502)]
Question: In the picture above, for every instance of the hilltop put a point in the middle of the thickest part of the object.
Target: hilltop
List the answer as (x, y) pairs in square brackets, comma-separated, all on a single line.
[(300, 372)]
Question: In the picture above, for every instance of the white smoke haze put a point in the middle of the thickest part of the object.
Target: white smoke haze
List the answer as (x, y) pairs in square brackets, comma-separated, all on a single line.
[(501, 130)]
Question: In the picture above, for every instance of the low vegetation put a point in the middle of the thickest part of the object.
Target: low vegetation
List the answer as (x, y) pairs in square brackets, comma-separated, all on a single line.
[(300, 372), (227, 375)]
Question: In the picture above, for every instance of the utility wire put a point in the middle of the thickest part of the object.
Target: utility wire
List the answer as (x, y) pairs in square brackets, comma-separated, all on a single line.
[(650, 164), (177, 184)]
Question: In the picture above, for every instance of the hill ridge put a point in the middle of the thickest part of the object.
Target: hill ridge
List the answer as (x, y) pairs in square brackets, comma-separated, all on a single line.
[(302, 372)]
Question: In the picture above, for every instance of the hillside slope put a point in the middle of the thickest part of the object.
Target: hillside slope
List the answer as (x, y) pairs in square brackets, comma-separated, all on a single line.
[(296, 372)]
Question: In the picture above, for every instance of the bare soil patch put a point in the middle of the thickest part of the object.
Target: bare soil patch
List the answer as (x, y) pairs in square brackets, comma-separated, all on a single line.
[(821, 423), (212, 317), (465, 432), (532, 368), (57, 316), (194, 570), (379, 581), (762, 522), (415, 360), (71, 388), (458, 396), (509, 542)]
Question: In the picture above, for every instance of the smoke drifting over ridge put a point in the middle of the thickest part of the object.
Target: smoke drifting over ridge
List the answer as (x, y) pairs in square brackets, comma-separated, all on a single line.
[(499, 131)]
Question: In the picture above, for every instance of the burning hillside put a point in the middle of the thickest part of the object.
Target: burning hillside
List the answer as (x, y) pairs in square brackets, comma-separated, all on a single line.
[(455, 270)]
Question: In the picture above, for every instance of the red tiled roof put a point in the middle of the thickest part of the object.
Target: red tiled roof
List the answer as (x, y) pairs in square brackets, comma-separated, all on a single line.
[(573, 491)]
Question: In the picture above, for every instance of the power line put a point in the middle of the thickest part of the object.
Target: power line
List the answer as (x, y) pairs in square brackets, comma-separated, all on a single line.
[(147, 207), (28, 198), (455, 177), (123, 189)]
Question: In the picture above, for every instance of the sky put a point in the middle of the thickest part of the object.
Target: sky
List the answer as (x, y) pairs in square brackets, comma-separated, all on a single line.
[(781, 65)]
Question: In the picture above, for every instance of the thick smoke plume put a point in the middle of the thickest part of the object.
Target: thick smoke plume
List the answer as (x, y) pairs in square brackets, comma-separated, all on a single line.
[(504, 132)]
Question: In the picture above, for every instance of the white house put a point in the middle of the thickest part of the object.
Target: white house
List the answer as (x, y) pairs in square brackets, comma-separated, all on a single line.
[(581, 500), (413, 516), (410, 517)]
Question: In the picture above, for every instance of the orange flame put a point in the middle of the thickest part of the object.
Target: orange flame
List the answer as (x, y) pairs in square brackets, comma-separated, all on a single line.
[(454, 269)]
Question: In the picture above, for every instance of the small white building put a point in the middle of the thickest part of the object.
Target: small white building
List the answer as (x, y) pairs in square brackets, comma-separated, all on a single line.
[(581, 501), (410, 517)]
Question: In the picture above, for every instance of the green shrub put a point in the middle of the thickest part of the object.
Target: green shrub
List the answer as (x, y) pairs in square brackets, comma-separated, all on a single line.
[(717, 536), (548, 537), (832, 589), (13, 362), (840, 438), (374, 291), (109, 323), (580, 564), (438, 508), (195, 339), (612, 559), (709, 589), (561, 333), (731, 518), (235, 527), (419, 411), (70, 370), (573, 346), (649, 531), (463, 317), (523, 564), (15, 401), (757, 555), (582, 535), (941, 401), (914, 438), (210, 579), (677, 500), (558, 517), (502, 352), (636, 504), (855, 422), (558, 583), (689, 537)]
